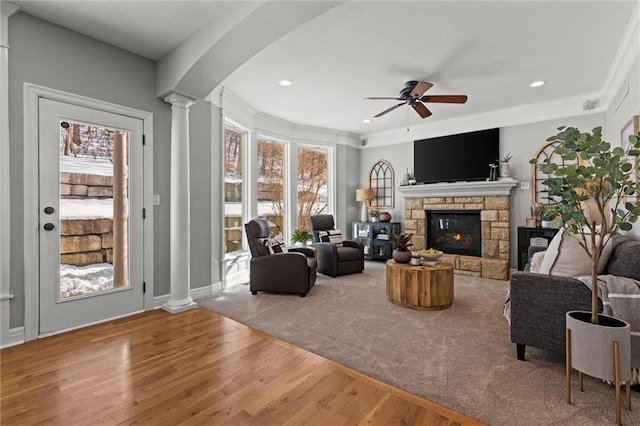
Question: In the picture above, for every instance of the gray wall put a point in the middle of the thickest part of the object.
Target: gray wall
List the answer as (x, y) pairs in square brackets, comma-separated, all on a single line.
[(399, 156), (51, 56), (347, 211), (522, 141), (203, 128)]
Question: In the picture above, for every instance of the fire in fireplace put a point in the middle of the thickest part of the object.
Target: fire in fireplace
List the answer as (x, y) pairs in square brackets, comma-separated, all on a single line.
[(454, 231)]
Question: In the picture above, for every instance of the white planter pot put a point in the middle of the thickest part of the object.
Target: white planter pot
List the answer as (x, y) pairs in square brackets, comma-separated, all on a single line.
[(592, 345), (545, 223), (505, 170)]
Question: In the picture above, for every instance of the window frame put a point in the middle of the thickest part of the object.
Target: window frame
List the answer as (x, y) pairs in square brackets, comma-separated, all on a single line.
[(246, 193), (286, 147)]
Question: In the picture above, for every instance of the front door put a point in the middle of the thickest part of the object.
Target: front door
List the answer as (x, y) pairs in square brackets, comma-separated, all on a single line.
[(90, 216)]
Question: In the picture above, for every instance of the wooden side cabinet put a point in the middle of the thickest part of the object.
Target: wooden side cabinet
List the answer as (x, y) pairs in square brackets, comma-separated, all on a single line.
[(376, 237), (527, 237)]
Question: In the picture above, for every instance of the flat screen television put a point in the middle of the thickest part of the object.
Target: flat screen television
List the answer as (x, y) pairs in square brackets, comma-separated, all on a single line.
[(461, 157)]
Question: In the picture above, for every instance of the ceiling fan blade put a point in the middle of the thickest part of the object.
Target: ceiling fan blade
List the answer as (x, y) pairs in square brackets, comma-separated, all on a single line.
[(379, 98), (447, 99), (389, 110), (422, 110), (420, 88)]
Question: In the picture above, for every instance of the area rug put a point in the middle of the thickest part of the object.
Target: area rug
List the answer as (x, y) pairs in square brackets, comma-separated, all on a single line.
[(459, 357)]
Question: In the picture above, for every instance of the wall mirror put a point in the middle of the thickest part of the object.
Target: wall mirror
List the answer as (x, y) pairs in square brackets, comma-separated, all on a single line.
[(538, 188), (381, 180)]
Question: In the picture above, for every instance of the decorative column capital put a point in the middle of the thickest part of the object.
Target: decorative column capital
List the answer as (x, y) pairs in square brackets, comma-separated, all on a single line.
[(6, 10), (179, 101)]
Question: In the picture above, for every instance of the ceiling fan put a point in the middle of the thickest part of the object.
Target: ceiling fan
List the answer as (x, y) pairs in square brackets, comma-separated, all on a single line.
[(412, 94)]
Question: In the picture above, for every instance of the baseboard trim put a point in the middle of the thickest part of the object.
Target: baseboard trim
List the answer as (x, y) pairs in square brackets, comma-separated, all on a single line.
[(207, 290), (16, 337)]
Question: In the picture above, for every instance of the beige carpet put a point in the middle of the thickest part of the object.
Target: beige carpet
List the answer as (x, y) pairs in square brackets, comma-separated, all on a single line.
[(460, 357)]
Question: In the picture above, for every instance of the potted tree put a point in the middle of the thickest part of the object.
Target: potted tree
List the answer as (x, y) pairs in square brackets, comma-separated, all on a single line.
[(401, 244), (594, 175)]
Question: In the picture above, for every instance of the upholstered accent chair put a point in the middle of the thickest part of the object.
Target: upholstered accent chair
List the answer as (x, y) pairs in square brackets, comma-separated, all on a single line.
[(291, 272), (335, 259)]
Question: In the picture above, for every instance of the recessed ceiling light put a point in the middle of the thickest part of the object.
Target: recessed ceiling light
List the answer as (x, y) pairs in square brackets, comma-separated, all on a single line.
[(366, 120), (537, 83), (285, 83)]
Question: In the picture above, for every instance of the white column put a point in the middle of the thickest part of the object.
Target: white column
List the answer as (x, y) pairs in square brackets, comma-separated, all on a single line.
[(7, 9), (180, 299)]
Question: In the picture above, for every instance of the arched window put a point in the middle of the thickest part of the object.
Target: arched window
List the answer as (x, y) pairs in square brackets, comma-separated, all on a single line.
[(539, 190), (381, 180)]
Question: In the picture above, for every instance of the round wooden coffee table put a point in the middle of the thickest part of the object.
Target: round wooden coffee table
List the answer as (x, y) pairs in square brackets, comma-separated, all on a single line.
[(420, 287)]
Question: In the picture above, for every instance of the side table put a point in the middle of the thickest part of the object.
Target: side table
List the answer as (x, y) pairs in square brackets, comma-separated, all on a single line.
[(420, 287)]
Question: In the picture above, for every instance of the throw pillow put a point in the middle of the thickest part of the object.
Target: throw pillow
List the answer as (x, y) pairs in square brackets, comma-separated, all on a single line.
[(624, 260), (566, 258), (276, 244), (333, 236)]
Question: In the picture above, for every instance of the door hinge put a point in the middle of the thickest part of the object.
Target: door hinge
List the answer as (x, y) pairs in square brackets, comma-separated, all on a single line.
[(144, 286), (144, 213), (144, 139)]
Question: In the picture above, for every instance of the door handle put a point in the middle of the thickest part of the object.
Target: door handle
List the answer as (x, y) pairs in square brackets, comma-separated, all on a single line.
[(49, 226), (49, 210)]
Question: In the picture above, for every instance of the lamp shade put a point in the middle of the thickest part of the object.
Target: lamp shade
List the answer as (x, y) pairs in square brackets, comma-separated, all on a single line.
[(364, 194)]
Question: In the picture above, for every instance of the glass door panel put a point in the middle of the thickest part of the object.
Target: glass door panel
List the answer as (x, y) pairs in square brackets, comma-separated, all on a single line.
[(94, 210)]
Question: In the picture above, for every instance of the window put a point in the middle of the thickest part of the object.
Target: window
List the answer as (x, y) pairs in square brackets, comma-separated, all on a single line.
[(313, 184), (234, 145), (270, 189), (381, 181)]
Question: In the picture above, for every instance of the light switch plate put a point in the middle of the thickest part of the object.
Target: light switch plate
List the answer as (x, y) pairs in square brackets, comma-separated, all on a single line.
[(524, 185), (156, 199)]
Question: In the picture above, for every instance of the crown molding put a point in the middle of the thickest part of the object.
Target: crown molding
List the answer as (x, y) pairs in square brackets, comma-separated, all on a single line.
[(524, 114)]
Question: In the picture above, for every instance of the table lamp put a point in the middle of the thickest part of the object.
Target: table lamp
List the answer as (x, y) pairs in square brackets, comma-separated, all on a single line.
[(364, 195)]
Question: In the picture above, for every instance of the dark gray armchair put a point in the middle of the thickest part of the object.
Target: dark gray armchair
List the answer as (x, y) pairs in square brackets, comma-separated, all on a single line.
[(334, 260), (291, 272)]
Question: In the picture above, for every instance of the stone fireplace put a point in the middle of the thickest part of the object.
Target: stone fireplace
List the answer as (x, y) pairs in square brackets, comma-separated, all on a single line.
[(489, 199)]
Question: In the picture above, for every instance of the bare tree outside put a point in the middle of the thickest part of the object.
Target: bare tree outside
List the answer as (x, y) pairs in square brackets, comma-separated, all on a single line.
[(233, 220), (312, 184), (271, 180)]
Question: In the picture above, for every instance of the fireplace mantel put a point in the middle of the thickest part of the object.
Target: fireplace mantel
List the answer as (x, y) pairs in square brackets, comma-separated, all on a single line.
[(491, 198), (499, 187)]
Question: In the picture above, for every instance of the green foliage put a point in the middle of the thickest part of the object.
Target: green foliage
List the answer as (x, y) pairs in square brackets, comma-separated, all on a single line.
[(594, 172), (374, 212), (547, 213), (300, 236), (402, 240)]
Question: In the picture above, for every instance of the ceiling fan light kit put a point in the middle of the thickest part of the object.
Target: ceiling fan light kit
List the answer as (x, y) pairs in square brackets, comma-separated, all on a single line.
[(412, 94)]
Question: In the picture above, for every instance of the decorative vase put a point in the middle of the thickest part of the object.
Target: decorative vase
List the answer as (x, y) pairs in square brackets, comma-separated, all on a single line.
[(600, 350), (505, 170), (402, 255), (384, 217)]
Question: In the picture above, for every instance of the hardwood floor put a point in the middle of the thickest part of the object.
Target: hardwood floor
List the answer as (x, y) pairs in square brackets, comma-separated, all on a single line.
[(195, 367)]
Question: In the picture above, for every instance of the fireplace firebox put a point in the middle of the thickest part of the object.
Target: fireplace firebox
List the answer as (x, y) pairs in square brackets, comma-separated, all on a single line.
[(454, 231)]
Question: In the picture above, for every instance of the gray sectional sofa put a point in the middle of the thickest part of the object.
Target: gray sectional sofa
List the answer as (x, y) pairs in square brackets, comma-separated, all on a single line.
[(538, 303)]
